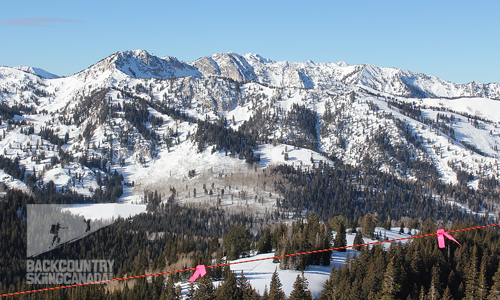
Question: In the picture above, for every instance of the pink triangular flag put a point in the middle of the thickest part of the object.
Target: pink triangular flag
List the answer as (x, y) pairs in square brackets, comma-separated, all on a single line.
[(200, 272), (441, 234)]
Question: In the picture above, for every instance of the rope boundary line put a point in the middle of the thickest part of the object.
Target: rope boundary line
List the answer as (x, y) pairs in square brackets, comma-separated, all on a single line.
[(240, 262)]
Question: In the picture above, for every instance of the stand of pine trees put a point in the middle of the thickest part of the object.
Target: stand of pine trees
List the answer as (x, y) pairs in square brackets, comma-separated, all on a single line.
[(420, 270)]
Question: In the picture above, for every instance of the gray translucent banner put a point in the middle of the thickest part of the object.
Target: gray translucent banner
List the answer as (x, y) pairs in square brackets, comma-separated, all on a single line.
[(52, 225)]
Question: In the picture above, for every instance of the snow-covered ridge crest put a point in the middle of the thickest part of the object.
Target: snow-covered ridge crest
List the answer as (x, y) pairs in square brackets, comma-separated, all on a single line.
[(136, 64), (37, 71), (255, 68), (404, 83), (141, 64), (395, 81)]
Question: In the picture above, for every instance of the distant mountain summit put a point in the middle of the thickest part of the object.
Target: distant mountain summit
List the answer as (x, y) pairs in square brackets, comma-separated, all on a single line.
[(141, 64), (309, 75), (38, 72)]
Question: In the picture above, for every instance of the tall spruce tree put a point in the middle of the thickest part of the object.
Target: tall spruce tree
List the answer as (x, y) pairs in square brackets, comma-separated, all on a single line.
[(447, 294), (300, 290), (265, 295), (495, 289), (206, 290), (265, 243), (435, 288), (482, 281), (368, 226), (275, 289), (471, 289), (247, 291), (229, 289), (390, 284), (237, 241), (340, 238), (358, 240)]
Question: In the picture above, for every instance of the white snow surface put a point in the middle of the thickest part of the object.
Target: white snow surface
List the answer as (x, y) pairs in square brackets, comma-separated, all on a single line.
[(106, 211), (12, 183), (259, 273), (38, 72)]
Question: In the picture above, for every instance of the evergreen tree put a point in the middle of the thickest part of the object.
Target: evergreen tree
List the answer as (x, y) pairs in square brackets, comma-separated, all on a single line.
[(358, 240), (401, 228), (265, 243), (237, 241), (206, 290), (388, 223), (447, 294), (300, 291), (158, 284), (275, 290), (471, 289), (482, 282), (391, 285), (495, 289), (368, 226), (248, 293), (265, 296), (229, 290), (171, 292), (340, 238), (421, 296), (435, 288)]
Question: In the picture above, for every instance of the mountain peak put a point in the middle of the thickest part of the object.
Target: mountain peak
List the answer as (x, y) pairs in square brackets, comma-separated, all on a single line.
[(141, 64), (342, 64)]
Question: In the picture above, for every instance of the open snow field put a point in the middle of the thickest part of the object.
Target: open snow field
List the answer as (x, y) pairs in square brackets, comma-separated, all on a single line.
[(259, 273)]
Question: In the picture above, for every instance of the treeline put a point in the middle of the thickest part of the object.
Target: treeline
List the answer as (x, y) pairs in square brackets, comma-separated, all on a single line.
[(12, 167), (9, 111), (137, 114), (301, 121), (303, 236), (421, 270), (162, 107), (349, 191), (96, 101), (233, 142), (49, 135)]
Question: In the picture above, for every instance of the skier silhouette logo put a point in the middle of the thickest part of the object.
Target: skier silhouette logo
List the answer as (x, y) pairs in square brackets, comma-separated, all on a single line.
[(88, 224), (54, 229)]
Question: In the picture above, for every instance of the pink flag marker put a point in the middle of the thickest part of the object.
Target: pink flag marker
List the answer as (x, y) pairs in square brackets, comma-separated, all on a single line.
[(200, 272), (441, 234)]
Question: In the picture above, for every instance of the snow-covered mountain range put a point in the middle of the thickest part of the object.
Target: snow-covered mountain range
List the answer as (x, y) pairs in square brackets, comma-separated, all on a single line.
[(139, 111)]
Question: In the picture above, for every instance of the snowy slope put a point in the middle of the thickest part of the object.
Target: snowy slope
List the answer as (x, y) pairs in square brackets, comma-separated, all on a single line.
[(38, 72), (351, 104), (259, 273)]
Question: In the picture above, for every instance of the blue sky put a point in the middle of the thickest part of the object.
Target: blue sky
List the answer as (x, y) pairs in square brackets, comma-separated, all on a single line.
[(456, 40)]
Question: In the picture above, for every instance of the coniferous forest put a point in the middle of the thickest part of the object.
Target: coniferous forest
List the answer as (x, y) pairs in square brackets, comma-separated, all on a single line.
[(177, 237)]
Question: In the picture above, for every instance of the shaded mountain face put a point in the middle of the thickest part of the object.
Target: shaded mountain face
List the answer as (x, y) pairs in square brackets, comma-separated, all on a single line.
[(156, 119), (140, 64)]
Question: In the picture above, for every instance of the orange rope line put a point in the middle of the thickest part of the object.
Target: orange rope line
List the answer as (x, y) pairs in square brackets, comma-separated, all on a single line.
[(240, 262)]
